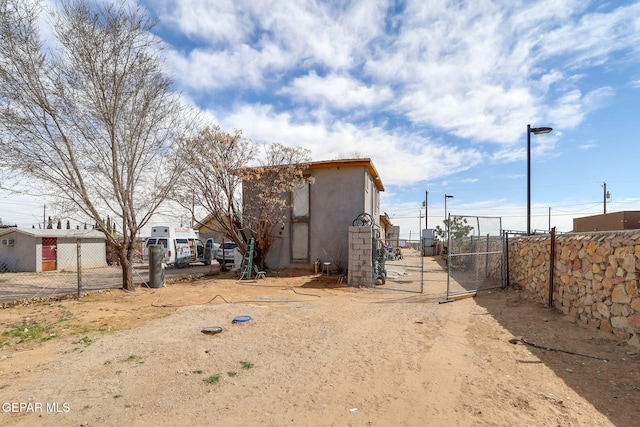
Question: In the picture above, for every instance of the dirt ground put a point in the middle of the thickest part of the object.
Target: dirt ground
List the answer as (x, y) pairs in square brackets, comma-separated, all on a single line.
[(315, 353)]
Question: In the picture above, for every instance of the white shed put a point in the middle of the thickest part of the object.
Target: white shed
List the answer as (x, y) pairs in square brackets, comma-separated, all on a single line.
[(36, 250)]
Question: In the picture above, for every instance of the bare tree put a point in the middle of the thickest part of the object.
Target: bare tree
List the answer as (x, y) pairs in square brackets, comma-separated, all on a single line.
[(89, 116), (220, 175), (210, 183), (267, 192)]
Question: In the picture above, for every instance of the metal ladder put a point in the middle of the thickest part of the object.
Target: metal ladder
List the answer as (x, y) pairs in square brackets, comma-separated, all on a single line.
[(247, 262)]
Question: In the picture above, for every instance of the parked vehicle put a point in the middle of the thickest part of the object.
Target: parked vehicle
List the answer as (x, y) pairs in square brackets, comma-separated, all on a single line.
[(226, 254), (182, 246)]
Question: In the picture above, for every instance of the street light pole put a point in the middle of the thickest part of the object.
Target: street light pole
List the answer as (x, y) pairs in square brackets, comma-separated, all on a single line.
[(446, 196), (607, 195), (426, 199), (537, 131)]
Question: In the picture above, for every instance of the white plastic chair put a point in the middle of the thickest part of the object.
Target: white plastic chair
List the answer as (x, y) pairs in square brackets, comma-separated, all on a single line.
[(259, 274)]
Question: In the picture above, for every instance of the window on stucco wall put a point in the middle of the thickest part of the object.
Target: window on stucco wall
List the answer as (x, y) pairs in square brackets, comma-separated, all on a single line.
[(300, 201), (300, 214)]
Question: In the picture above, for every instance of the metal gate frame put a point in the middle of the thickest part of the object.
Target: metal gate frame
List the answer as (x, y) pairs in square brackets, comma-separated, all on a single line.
[(464, 252), (409, 265)]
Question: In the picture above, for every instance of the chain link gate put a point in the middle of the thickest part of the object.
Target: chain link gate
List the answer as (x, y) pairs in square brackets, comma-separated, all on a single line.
[(475, 251), (404, 265), (379, 258)]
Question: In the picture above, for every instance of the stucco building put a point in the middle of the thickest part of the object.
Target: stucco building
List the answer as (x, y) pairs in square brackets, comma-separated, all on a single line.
[(37, 250), (623, 220), (316, 225)]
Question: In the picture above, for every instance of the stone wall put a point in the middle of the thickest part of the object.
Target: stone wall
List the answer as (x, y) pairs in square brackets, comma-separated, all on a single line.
[(595, 278), (360, 256)]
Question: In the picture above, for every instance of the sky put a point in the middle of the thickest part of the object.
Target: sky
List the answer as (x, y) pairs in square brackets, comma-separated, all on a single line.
[(437, 93)]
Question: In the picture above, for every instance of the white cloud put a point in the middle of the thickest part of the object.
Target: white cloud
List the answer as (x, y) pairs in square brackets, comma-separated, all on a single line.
[(469, 180), (238, 41), (400, 158), (220, 23), (594, 37), (571, 108), (336, 92), (241, 69), (474, 71)]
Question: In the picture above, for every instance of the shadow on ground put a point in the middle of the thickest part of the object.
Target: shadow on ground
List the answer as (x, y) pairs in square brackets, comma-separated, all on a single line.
[(612, 386)]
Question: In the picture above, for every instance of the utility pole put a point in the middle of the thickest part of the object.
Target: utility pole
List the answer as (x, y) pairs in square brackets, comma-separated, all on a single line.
[(606, 196), (426, 198)]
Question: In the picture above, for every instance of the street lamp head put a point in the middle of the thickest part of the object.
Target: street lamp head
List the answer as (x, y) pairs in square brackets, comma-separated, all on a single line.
[(535, 131), (448, 196), (540, 131)]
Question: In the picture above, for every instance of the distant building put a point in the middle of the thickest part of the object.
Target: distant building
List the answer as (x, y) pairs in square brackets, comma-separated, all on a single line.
[(389, 232), (210, 228), (37, 250), (624, 220)]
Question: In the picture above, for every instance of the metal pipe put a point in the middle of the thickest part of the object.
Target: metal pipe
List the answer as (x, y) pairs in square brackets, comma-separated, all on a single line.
[(528, 180), (552, 264)]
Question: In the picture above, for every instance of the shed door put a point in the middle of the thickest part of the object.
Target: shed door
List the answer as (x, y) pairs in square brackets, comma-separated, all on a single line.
[(49, 253)]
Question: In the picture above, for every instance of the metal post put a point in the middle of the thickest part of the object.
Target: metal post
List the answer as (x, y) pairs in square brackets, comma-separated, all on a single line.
[(156, 266), (79, 266), (486, 263), (445, 212), (506, 244), (447, 196), (448, 260), (423, 241), (552, 264), (528, 180), (426, 198)]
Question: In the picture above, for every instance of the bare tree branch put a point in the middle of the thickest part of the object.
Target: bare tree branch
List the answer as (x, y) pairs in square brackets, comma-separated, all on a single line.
[(267, 188), (210, 182), (219, 176), (91, 119)]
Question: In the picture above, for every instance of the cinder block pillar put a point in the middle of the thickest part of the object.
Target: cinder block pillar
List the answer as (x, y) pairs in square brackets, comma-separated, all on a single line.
[(360, 256)]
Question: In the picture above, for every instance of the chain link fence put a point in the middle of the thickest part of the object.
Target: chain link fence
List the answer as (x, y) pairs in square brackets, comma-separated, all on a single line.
[(36, 267), (54, 266), (475, 251), (404, 265)]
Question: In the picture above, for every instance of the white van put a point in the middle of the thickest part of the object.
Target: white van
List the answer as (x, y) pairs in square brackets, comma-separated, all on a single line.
[(182, 246)]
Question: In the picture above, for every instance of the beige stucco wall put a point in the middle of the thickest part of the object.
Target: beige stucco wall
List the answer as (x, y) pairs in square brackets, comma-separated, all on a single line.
[(24, 255), (337, 196)]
